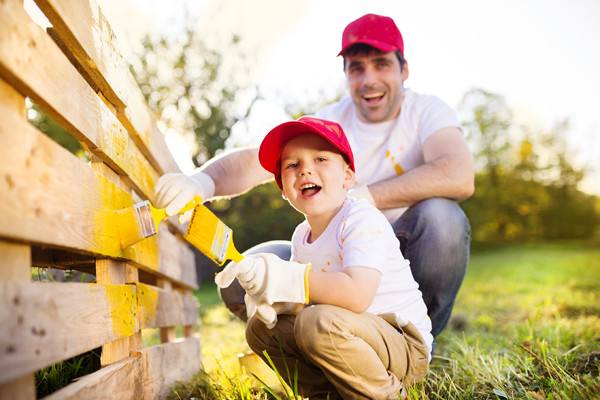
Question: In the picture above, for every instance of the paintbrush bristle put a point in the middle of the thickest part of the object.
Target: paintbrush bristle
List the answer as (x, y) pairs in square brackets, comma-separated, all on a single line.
[(135, 223)]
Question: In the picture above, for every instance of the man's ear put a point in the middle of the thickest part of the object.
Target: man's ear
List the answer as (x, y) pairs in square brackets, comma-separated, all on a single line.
[(405, 72), (349, 178)]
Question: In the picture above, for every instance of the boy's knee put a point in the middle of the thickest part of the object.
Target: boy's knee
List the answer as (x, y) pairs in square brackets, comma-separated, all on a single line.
[(314, 325)]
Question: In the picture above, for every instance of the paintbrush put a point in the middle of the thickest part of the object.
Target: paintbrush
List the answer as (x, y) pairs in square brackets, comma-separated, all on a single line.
[(211, 236), (141, 221)]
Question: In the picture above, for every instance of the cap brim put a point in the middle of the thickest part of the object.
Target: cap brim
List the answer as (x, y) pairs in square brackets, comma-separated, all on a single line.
[(385, 47), (270, 149)]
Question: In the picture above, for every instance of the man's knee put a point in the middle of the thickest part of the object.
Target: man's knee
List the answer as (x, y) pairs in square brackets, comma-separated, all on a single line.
[(442, 220), (233, 296)]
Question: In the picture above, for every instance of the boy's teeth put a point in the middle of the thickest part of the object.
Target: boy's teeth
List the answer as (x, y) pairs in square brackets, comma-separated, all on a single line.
[(308, 186)]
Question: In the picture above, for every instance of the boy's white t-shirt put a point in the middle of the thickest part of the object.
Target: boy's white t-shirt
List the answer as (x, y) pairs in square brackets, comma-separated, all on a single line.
[(388, 149), (360, 236)]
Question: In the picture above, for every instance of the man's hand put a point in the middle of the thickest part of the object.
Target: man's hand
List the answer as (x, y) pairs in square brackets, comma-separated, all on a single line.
[(174, 190)]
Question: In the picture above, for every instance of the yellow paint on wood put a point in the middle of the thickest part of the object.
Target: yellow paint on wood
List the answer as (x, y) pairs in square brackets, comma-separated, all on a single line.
[(109, 220), (123, 308), (147, 303)]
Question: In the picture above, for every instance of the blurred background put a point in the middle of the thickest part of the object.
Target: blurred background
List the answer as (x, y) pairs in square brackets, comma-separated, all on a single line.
[(522, 75)]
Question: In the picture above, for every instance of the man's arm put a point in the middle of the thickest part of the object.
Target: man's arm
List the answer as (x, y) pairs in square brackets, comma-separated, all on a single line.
[(447, 172), (235, 171)]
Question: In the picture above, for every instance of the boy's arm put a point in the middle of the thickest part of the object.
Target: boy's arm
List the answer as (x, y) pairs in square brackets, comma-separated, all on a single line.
[(353, 289)]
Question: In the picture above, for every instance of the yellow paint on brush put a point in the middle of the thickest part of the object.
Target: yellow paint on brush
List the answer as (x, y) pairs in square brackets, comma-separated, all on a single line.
[(211, 236), (122, 302), (147, 304)]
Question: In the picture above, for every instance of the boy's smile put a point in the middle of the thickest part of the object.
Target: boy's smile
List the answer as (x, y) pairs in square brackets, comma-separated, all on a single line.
[(315, 178)]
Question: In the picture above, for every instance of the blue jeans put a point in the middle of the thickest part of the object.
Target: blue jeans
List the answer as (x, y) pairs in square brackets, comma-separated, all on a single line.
[(434, 236)]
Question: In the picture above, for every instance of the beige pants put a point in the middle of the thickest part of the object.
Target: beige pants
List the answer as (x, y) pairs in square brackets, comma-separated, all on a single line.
[(342, 354)]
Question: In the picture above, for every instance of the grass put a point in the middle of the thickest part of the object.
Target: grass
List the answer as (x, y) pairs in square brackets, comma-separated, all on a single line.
[(526, 325)]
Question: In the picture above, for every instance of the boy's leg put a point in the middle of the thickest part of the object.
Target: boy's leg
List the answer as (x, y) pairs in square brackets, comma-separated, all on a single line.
[(435, 237), (281, 346), (362, 355), (233, 296)]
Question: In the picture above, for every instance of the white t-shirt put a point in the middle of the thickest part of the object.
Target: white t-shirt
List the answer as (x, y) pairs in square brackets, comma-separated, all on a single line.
[(360, 236), (387, 149)]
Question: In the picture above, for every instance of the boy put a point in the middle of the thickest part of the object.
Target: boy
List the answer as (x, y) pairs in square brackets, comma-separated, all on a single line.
[(367, 332)]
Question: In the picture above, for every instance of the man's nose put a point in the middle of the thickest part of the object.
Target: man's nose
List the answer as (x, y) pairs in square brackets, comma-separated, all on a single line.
[(369, 76)]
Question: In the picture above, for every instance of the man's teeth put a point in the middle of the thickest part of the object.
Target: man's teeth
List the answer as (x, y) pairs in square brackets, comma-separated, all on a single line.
[(373, 95)]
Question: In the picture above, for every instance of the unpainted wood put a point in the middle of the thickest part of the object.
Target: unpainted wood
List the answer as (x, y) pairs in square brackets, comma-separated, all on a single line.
[(89, 39), (25, 52), (121, 380), (45, 322), (167, 363)]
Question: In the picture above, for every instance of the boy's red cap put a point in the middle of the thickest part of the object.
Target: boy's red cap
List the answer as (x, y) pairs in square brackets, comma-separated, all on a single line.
[(376, 31), (272, 145)]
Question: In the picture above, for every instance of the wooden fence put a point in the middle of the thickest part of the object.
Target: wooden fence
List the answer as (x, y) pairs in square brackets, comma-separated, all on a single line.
[(55, 210)]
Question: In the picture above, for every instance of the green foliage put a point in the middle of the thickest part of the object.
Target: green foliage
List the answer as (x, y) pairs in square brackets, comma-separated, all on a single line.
[(526, 186), (184, 81), (260, 215), (59, 375), (525, 325)]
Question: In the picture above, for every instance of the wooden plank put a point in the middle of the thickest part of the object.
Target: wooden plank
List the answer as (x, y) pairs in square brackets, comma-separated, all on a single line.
[(164, 308), (53, 198), (168, 363), (176, 258), (22, 388), (15, 262), (86, 35), (26, 51), (44, 322), (15, 266), (121, 380), (149, 376), (113, 272)]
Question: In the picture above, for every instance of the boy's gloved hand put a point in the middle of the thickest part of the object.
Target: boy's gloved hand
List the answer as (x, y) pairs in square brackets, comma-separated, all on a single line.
[(174, 190), (268, 278)]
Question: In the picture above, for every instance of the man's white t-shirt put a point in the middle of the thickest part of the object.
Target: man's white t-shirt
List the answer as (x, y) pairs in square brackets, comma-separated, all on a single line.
[(360, 236), (388, 149)]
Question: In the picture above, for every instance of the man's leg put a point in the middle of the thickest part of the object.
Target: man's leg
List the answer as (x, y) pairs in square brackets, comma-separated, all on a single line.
[(435, 237), (233, 296)]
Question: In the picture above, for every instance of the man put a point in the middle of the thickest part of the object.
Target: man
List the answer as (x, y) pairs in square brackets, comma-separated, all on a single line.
[(411, 158)]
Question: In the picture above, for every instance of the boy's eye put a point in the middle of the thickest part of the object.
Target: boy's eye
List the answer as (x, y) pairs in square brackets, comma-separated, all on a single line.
[(291, 165), (321, 159)]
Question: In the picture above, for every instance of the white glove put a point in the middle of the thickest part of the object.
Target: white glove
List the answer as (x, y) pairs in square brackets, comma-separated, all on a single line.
[(268, 278), (264, 312), (361, 192), (268, 313), (174, 190)]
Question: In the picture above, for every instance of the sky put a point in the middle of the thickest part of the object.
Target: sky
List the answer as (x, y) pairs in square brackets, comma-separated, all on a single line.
[(542, 56)]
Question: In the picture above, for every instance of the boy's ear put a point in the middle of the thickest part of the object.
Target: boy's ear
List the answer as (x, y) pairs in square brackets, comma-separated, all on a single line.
[(349, 178)]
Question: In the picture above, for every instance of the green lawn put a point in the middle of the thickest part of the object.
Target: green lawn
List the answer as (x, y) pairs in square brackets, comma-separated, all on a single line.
[(526, 325)]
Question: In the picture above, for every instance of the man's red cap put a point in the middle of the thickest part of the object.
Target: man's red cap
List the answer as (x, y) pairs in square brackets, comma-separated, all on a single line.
[(272, 145), (376, 31)]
